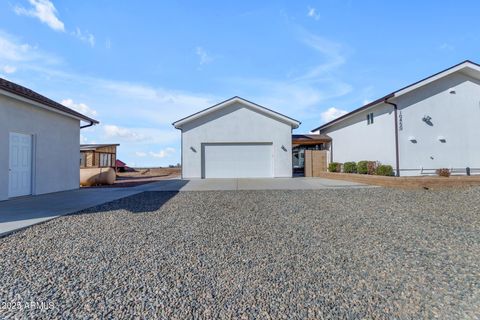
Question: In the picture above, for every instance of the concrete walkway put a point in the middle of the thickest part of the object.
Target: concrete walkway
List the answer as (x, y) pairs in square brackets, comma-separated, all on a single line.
[(22, 212)]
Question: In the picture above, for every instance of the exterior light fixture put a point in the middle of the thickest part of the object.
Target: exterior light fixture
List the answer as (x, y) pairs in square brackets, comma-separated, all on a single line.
[(442, 139), (193, 149), (412, 139)]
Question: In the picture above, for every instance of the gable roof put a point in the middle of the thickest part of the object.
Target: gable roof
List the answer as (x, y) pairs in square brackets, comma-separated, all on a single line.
[(471, 68), (17, 90), (294, 123)]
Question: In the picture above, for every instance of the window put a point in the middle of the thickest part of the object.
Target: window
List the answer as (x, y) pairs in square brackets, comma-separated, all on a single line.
[(370, 118), (83, 158), (105, 160)]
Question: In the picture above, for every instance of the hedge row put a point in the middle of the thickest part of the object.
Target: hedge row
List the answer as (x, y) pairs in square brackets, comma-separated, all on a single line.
[(362, 167)]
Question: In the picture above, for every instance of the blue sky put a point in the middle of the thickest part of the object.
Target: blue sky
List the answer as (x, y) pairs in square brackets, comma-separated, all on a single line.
[(139, 66)]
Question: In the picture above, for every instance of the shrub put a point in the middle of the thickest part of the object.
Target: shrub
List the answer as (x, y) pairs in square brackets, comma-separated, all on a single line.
[(334, 167), (443, 172), (384, 170), (362, 167), (350, 167)]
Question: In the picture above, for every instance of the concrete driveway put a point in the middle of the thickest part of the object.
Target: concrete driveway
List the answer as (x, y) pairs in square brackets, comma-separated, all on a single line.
[(252, 184), (22, 212)]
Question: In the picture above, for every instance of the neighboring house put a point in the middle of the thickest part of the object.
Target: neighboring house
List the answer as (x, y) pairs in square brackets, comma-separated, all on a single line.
[(39, 142), (98, 155), (431, 124), (236, 139), (121, 166)]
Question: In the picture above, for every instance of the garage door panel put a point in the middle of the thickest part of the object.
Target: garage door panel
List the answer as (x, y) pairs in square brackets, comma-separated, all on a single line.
[(237, 160)]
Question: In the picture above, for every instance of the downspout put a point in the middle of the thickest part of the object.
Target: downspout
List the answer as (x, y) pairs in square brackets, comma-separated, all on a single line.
[(88, 125), (397, 152)]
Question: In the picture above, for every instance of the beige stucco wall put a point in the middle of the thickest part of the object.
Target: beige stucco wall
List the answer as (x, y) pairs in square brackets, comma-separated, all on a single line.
[(56, 146)]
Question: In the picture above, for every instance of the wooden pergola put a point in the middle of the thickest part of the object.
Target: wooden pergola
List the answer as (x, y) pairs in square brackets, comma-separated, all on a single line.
[(309, 139)]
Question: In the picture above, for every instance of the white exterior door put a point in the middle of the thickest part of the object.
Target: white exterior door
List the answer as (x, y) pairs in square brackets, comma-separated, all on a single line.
[(237, 160), (20, 165)]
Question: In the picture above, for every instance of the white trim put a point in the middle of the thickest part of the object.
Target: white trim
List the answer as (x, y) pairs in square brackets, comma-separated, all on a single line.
[(294, 123)]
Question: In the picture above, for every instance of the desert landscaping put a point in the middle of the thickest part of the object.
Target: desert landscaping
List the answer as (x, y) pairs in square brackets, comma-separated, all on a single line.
[(345, 253)]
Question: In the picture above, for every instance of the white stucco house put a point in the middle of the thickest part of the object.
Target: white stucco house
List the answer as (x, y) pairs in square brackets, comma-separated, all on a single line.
[(433, 123), (39, 143), (236, 139)]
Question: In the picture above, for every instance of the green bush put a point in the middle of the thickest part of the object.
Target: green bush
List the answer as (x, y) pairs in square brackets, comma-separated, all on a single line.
[(350, 167), (334, 167), (362, 167), (384, 170)]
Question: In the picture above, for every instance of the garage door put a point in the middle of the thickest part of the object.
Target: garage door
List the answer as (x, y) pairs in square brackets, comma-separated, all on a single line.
[(237, 160)]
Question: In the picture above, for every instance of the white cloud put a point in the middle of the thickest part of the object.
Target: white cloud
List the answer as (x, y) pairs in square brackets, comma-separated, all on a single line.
[(312, 13), (79, 107), (86, 37), (140, 154), (138, 135), (113, 131), (162, 153), (108, 44), (332, 114), (8, 69), (13, 52), (45, 11), (332, 52), (205, 58)]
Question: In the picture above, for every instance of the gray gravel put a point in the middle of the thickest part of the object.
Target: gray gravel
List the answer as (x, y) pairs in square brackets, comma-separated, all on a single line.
[(349, 253)]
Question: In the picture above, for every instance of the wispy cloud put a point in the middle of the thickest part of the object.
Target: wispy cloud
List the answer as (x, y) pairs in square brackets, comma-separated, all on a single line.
[(43, 10), (312, 13), (15, 53), (8, 69), (301, 95), (333, 55), (86, 36), (162, 153), (138, 135), (140, 154), (332, 114), (79, 107), (204, 57)]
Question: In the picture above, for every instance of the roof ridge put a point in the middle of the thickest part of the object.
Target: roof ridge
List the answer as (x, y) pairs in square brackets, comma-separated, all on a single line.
[(29, 94)]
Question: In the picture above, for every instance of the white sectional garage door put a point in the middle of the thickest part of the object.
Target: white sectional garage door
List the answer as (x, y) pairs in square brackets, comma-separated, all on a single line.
[(237, 160)]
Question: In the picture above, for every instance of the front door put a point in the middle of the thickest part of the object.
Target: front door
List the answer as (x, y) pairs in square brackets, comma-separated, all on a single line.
[(20, 165)]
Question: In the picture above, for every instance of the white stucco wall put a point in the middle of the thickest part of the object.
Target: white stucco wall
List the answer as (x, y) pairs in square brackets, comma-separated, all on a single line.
[(235, 124), (56, 146), (455, 116), (354, 140)]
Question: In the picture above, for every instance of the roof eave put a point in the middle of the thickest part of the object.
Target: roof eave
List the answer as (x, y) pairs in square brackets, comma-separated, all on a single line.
[(404, 90), (19, 97), (292, 122)]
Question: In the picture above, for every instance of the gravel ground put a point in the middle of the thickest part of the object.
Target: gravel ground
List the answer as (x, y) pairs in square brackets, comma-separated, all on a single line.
[(348, 253)]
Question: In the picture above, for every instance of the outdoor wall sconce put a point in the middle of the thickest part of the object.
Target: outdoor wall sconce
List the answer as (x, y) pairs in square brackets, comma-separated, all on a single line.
[(442, 139), (193, 149), (283, 148), (412, 139), (452, 91), (427, 120)]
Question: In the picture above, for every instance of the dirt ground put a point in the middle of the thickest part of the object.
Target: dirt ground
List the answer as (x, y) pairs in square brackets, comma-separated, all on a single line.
[(142, 176)]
